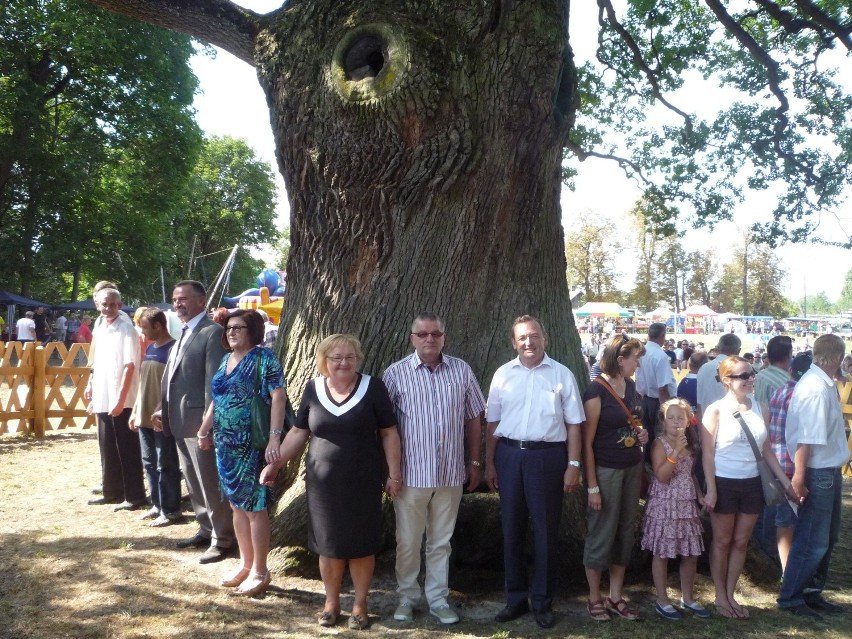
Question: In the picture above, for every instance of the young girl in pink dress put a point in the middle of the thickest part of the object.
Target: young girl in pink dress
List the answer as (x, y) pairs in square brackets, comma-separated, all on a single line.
[(672, 527)]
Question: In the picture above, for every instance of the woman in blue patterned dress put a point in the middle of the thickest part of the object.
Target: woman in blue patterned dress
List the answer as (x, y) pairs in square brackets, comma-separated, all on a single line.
[(238, 462)]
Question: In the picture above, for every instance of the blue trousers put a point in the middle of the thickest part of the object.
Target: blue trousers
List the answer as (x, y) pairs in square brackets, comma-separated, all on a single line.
[(817, 530), (162, 468), (530, 484)]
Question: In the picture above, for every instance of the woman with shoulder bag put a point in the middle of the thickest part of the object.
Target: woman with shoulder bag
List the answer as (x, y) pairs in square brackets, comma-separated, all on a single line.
[(734, 496), (613, 463)]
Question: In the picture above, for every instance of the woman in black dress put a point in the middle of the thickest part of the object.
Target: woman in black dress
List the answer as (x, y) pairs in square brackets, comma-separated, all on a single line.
[(345, 412)]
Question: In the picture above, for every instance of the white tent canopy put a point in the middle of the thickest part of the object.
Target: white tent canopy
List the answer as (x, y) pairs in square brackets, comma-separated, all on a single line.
[(700, 310), (661, 312), (606, 309)]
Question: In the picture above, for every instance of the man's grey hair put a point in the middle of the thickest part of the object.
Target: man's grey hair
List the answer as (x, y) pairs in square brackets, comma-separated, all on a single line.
[(729, 344), (109, 292), (427, 317), (828, 349), (656, 331)]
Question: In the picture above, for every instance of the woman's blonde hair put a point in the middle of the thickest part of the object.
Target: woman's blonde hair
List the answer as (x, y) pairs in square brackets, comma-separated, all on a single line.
[(330, 343)]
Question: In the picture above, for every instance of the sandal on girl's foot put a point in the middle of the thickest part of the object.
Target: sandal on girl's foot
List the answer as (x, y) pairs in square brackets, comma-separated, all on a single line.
[(254, 585), (327, 618), (725, 610), (597, 610), (358, 622), (235, 578), (621, 608)]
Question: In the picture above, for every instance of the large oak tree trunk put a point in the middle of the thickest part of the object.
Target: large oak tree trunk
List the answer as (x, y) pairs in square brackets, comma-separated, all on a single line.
[(421, 144)]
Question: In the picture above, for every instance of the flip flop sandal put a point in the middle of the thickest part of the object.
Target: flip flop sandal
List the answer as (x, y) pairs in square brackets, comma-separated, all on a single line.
[(597, 611), (621, 608)]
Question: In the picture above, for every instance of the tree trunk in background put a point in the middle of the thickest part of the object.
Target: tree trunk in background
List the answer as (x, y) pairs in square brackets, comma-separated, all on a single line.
[(431, 184), (421, 150)]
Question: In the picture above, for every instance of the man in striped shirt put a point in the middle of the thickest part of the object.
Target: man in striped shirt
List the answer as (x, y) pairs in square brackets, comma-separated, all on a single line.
[(438, 403)]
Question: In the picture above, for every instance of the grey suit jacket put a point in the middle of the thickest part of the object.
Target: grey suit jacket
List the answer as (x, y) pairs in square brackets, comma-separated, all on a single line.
[(187, 382)]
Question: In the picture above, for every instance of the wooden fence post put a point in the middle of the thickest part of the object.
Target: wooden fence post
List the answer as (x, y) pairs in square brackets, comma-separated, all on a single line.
[(39, 388)]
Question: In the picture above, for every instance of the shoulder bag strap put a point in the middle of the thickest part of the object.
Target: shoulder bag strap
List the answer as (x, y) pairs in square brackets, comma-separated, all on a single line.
[(633, 421), (748, 434)]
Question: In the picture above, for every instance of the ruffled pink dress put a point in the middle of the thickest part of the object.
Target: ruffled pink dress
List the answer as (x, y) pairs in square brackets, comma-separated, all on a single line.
[(672, 527)]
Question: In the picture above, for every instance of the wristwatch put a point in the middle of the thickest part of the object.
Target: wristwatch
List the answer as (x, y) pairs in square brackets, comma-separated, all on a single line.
[(573, 462)]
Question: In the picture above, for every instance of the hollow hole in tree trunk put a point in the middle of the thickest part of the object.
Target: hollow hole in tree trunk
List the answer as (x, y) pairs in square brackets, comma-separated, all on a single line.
[(365, 58)]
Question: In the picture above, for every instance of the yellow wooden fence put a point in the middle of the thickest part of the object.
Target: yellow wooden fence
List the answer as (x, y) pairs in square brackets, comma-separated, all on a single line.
[(41, 387)]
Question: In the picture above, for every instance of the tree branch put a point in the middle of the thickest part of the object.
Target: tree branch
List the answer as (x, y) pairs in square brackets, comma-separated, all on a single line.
[(843, 32), (219, 22), (773, 80), (640, 63), (622, 162)]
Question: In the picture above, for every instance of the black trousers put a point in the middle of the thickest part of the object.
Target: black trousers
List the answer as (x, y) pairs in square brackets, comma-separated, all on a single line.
[(121, 458), (530, 484)]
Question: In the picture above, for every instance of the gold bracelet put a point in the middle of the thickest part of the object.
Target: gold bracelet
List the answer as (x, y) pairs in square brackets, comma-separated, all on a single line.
[(398, 481), (671, 461)]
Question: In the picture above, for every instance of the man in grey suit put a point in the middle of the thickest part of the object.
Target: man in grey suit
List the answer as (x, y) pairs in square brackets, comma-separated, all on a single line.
[(185, 396)]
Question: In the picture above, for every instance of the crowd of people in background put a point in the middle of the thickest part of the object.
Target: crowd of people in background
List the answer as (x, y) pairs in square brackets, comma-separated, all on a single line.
[(177, 402)]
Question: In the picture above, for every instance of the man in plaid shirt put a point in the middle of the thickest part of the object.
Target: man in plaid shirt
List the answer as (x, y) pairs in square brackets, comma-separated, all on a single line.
[(784, 517)]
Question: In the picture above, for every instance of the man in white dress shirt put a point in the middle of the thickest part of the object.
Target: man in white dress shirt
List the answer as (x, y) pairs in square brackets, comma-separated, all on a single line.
[(533, 449), (816, 442)]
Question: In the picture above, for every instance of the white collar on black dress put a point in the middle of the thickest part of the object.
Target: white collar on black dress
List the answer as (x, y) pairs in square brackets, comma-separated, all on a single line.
[(330, 406)]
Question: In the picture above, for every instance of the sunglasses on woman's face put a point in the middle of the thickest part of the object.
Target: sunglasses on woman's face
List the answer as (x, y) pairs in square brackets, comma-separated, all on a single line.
[(743, 376)]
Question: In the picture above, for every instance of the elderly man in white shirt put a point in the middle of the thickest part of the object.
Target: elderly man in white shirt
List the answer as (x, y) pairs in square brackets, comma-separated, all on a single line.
[(816, 441), (111, 393), (533, 449)]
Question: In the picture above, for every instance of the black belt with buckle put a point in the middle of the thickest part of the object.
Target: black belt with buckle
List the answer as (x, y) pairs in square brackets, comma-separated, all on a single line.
[(525, 444)]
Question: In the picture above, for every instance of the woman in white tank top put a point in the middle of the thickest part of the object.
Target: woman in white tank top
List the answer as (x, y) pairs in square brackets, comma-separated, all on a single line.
[(734, 494)]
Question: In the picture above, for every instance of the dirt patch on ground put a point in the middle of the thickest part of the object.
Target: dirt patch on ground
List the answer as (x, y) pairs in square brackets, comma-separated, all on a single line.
[(72, 570)]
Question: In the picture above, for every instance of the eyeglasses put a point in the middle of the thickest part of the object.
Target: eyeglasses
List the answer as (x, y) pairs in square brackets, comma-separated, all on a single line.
[(743, 376), (236, 328), (337, 359), (425, 334)]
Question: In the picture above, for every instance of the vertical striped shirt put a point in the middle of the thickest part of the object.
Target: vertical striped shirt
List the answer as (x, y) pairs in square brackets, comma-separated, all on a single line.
[(431, 408)]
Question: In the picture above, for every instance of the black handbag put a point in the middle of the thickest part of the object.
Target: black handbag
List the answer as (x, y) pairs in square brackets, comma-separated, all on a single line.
[(773, 491), (261, 414)]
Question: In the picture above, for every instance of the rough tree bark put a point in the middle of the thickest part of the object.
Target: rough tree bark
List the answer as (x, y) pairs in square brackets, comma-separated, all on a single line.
[(420, 143)]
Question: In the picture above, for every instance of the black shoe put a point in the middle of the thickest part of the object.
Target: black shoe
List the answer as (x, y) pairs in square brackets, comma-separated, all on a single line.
[(544, 618), (130, 505), (818, 603), (214, 554), (102, 501), (196, 541), (511, 613), (803, 610)]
